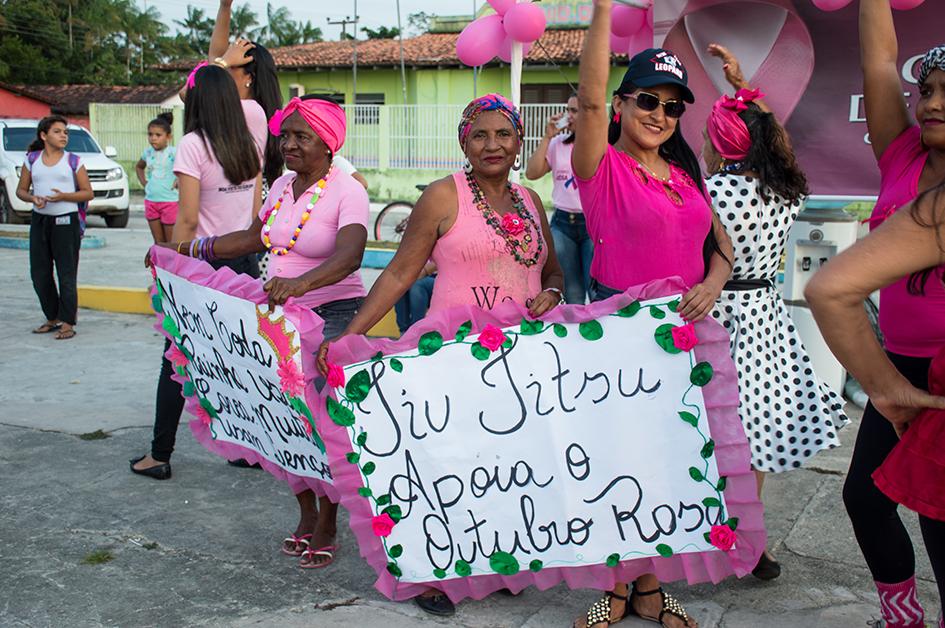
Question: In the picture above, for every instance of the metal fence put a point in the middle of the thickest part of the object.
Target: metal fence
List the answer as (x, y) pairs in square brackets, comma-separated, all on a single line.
[(397, 137)]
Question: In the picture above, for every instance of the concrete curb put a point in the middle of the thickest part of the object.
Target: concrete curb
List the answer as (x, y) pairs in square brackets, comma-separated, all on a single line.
[(9, 240)]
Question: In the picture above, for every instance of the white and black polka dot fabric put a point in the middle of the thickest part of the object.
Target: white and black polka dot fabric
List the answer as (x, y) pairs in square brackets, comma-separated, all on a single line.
[(788, 414)]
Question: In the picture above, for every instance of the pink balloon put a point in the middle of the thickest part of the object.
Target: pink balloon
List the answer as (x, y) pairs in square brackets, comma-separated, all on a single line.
[(905, 5), (480, 40), (619, 45), (830, 5), (505, 50), (525, 22), (501, 6), (626, 21)]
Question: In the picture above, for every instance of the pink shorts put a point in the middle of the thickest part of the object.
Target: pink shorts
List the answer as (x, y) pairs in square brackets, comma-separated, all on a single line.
[(166, 212)]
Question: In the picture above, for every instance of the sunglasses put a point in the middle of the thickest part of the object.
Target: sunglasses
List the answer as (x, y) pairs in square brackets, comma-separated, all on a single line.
[(649, 102)]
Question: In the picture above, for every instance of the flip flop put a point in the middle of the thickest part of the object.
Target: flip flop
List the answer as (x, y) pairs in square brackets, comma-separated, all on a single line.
[(309, 554), (302, 540), (65, 334), (46, 328)]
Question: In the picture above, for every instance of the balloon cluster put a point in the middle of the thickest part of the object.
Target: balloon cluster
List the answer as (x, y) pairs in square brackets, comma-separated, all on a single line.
[(834, 5), (493, 35), (626, 23)]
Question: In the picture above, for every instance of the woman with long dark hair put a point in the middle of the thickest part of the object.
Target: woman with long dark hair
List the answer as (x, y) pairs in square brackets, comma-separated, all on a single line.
[(642, 193), (911, 158), (253, 71), (910, 248), (757, 191), (217, 165), (55, 182)]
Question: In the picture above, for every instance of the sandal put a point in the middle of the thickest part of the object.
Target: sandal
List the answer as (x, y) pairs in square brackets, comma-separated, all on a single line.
[(65, 334), (46, 328), (309, 555), (670, 606), (599, 612), (296, 541)]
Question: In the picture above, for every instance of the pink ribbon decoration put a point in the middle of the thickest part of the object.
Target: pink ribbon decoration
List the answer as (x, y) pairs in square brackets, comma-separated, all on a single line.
[(726, 129), (325, 117), (192, 77)]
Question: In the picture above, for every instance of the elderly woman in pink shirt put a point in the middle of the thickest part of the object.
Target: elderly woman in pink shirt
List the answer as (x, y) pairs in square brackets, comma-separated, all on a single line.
[(318, 267)]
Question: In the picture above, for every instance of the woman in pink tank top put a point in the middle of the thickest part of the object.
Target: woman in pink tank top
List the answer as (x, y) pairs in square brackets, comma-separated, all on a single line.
[(489, 238)]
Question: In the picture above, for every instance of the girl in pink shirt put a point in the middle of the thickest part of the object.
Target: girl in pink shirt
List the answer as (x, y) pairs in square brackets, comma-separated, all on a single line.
[(911, 161), (317, 268), (642, 193)]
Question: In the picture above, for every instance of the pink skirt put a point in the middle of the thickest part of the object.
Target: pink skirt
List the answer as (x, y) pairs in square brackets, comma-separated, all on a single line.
[(913, 473)]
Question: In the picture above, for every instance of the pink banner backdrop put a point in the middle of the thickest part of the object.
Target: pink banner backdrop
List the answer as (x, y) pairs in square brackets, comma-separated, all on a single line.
[(807, 61), (347, 456)]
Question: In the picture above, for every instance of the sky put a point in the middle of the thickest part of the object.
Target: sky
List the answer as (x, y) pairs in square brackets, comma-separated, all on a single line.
[(373, 13)]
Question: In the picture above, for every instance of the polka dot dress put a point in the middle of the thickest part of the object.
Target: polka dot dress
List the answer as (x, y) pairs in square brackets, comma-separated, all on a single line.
[(788, 414)]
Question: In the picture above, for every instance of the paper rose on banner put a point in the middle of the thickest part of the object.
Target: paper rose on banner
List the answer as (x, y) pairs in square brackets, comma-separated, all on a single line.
[(203, 416), (905, 5), (177, 357), (722, 537), (831, 5), (491, 337), (291, 379), (336, 376), (382, 525), (524, 22), (626, 21), (505, 50), (481, 40), (684, 337)]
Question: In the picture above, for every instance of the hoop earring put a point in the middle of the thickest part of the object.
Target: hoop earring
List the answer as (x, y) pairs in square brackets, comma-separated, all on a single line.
[(467, 166), (518, 163)]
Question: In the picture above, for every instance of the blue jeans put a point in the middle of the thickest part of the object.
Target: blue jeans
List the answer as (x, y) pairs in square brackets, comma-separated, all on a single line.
[(414, 304), (599, 291), (575, 250)]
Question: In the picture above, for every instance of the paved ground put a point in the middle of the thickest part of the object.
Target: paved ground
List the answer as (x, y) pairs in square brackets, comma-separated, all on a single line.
[(85, 543)]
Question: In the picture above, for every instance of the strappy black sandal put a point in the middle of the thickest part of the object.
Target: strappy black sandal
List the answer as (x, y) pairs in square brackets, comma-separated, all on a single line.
[(670, 606), (599, 612)]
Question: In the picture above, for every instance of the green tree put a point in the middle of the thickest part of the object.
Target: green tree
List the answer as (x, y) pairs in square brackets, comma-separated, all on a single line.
[(281, 30), (381, 32), (243, 20), (418, 23), (198, 30)]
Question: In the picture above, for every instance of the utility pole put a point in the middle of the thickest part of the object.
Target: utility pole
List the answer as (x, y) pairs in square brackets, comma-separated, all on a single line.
[(344, 31), (403, 71), (70, 26)]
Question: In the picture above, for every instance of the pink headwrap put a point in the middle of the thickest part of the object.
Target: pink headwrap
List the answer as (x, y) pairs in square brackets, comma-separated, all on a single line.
[(325, 117), (192, 77), (726, 129), (489, 102)]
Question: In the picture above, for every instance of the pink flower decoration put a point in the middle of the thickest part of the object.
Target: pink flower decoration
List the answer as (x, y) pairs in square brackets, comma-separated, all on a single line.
[(513, 224), (684, 337), (177, 357), (336, 376), (382, 525), (153, 272), (291, 379), (203, 416), (491, 337), (308, 426), (722, 537)]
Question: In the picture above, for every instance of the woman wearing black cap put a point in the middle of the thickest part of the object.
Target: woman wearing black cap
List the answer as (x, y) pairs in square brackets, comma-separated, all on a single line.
[(646, 208)]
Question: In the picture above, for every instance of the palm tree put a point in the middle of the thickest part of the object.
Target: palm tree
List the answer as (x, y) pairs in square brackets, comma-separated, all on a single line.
[(243, 20)]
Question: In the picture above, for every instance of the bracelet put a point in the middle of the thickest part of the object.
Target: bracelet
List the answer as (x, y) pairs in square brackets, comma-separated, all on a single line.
[(558, 291), (179, 244), (194, 247), (220, 61)]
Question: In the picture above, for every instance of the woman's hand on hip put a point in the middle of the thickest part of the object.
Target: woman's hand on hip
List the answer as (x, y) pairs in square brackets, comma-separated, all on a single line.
[(281, 288), (901, 402), (698, 302)]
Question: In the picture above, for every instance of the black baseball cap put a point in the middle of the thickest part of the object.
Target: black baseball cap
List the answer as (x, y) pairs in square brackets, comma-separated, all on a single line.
[(656, 66)]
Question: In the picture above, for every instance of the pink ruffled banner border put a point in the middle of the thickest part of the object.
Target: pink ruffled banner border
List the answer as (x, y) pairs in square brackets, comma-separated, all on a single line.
[(731, 452), (309, 326)]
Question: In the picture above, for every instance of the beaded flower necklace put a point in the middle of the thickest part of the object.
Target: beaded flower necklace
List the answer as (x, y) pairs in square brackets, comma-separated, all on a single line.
[(317, 191), (512, 243)]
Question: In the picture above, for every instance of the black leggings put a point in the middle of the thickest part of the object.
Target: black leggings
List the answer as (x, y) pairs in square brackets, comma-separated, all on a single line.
[(170, 398), (879, 530)]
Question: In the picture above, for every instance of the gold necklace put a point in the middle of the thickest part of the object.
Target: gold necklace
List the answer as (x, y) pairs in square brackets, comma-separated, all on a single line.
[(668, 180)]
